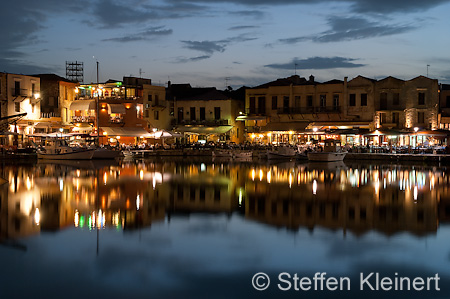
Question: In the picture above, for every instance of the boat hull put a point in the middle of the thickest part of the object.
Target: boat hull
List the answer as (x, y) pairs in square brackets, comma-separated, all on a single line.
[(101, 153), (326, 156), (275, 155), (77, 155)]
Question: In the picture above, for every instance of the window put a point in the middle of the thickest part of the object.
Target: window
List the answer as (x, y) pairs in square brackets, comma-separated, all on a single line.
[(192, 113), (147, 113), (309, 101), (364, 99), (335, 102), (395, 117), (216, 112), (420, 117), (285, 104), (156, 100), (383, 101), (16, 88), (421, 98), (274, 103), (382, 118), (352, 100), (396, 99), (323, 100), (202, 113), (252, 106), (447, 102), (149, 98), (33, 87), (261, 105), (156, 115), (180, 114), (17, 107)]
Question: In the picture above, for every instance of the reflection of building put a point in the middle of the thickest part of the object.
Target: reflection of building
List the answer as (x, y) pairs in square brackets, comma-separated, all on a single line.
[(389, 201)]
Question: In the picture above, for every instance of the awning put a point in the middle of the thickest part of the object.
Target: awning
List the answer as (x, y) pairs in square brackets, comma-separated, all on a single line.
[(43, 124), (116, 109), (347, 124), (82, 105), (204, 130), (250, 117), (126, 132), (285, 126)]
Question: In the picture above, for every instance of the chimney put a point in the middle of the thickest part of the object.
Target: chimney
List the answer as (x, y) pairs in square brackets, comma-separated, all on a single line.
[(169, 84), (311, 78)]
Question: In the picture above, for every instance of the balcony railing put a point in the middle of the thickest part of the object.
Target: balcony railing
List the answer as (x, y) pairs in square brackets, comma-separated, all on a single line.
[(116, 120), (207, 122), (19, 92), (83, 119), (255, 111), (50, 114), (309, 110)]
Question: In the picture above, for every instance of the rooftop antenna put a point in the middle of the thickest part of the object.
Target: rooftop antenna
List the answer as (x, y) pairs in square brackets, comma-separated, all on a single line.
[(140, 73), (295, 67), (427, 69), (226, 81)]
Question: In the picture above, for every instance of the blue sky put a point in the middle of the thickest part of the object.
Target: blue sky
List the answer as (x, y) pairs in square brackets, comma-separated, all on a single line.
[(247, 41)]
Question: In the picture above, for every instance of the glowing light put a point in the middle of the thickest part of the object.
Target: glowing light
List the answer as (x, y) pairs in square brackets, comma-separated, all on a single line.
[(314, 187), (269, 176), (253, 174), (261, 174), (138, 202), (253, 136), (76, 219), (141, 174), (240, 197), (61, 185), (37, 216), (415, 192), (290, 180), (269, 134)]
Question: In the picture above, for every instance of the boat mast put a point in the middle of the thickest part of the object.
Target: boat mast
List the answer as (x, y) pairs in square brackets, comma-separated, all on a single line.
[(97, 109)]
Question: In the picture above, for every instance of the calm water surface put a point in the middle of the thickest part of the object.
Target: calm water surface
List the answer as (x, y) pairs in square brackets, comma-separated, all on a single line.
[(202, 229)]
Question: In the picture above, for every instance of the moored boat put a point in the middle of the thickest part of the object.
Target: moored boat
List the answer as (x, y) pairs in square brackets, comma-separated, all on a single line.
[(283, 152), (58, 149), (222, 153), (332, 152), (106, 153)]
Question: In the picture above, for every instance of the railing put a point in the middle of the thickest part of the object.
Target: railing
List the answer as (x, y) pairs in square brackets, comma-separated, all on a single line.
[(255, 111), (309, 110), (255, 129), (116, 120), (83, 119), (19, 92), (207, 122), (50, 114)]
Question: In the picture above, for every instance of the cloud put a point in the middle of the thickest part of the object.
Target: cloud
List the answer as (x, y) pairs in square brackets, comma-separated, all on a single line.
[(359, 6), (192, 59), (351, 28), (256, 14), (210, 47), (317, 63), (242, 27), (144, 35)]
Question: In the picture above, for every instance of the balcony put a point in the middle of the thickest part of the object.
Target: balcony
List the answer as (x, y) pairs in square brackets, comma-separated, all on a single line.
[(83, 119), (116, 120), (255, 111), (17, 92), (309, 110), (207, 123)]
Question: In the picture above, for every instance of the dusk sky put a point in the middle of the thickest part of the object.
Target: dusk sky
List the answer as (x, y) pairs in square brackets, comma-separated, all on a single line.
[(239, 42)]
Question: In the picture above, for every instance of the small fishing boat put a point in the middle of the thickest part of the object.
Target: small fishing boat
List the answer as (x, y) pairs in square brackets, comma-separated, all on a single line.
[(106, 153), (59, 149), (332, 152), (222, 153), (282, 152)]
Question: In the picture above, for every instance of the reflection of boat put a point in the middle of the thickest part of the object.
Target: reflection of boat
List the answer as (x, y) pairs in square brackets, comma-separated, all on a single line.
[(331, 152), (283, 152), (335, 165), (81, 164), (58, 149), (105, 153)]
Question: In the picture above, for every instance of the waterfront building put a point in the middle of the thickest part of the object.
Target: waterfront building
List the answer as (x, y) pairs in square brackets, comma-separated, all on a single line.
[(57, 93), (121, 110), (19, 106), (444, 106), (206, 114)]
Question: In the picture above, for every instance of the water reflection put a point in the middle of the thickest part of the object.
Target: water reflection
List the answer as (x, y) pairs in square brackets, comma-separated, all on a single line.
[(128, 195)]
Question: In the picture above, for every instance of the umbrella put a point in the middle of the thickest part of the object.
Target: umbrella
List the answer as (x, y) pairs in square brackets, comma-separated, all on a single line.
[(164, 134)]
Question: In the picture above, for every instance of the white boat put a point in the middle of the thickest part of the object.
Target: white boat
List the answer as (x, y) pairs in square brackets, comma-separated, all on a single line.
[(283, 152), (331, 153), (222, 153), (242, 154), (105, 153), (58, 149)]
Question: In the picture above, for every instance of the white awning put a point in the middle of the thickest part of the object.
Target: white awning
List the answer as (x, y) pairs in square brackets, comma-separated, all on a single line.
[(126, 132), (83, 105), (116, 109)]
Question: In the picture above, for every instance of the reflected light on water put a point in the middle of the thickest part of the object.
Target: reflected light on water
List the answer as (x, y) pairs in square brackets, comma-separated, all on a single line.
[(37, 216)]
